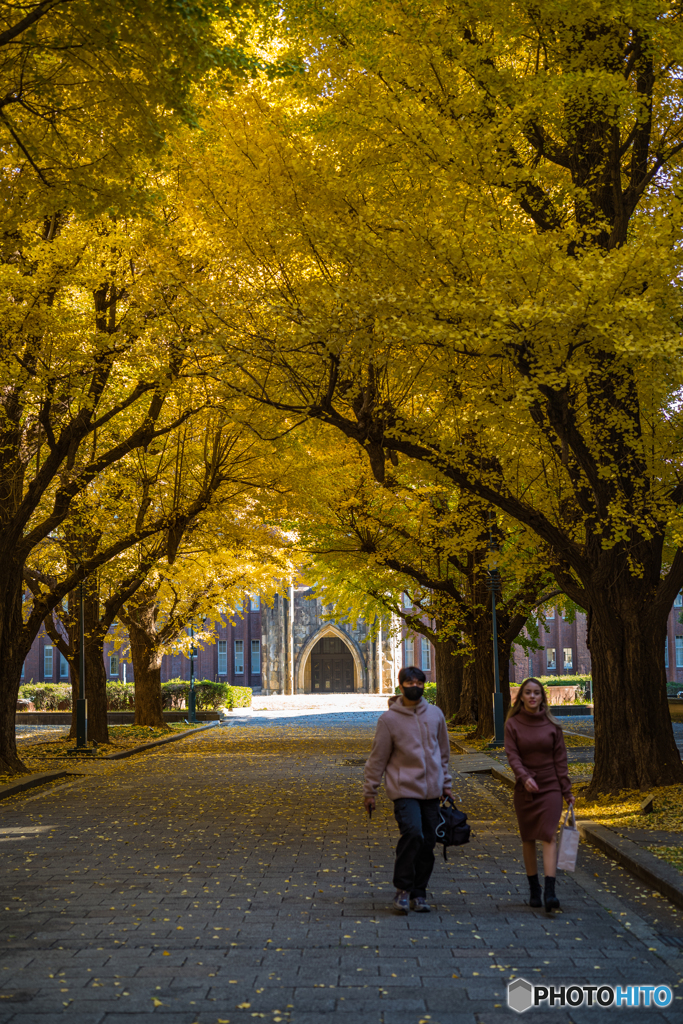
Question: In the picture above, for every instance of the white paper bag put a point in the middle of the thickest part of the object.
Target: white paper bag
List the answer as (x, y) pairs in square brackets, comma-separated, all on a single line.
[(568, 848)]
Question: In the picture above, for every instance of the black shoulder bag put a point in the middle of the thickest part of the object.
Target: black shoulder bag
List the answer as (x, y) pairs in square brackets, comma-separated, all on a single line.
[(452, 828)]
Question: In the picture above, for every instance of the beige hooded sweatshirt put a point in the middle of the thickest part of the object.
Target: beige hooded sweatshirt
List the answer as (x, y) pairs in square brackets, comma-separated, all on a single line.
[(411, 747)]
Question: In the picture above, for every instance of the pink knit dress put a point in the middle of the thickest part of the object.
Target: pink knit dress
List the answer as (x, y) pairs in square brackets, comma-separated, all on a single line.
[(535, 748)]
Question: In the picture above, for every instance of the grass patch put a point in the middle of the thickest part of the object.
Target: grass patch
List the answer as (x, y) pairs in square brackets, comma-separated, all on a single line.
[(671, 854), (461, 733), (623, 810), (577, 768), (122, 737)]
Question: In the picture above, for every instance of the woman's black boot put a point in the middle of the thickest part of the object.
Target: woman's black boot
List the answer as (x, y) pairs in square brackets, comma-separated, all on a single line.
[(534, 891), (549, 898)]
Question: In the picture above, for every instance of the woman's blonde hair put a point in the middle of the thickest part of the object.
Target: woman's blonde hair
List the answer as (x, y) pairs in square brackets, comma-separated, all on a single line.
[(517, 705)]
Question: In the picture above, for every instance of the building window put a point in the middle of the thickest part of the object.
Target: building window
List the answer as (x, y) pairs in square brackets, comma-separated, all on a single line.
[(222, 657), (408, 651), (550, 614), (47, 661), (568, 659), (113, 664), (426, 654), (666, 653), (239, 657), (63, 667), (679, 652), (407, 603), (23, 669), (256, 604), (255, 657), (678, 599), (550, 661)]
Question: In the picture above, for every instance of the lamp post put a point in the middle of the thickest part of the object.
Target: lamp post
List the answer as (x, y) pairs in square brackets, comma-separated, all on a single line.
[(81, 703), (494, 586), (191, 705)]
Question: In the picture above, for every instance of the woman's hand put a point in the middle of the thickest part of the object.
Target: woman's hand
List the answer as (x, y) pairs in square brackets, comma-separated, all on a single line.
[(530, 785), (571, 800)]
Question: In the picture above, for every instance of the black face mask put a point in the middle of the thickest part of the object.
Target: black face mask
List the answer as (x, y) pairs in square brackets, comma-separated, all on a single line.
[(413, 692)]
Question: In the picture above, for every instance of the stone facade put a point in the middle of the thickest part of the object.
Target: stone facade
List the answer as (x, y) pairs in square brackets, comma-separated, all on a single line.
[(296, 624)]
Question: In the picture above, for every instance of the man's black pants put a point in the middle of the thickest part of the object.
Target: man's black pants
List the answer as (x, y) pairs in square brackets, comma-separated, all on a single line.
[(417, 821)]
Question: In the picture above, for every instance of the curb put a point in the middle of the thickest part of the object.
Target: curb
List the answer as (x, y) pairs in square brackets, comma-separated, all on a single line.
[(157, 743), (29, 783), (504, 775), (499, 773), (659, 875)]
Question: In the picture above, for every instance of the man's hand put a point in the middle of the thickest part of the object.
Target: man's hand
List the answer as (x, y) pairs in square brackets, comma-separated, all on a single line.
[(369, 804), (571, 800), (447, 794), (531, 785)]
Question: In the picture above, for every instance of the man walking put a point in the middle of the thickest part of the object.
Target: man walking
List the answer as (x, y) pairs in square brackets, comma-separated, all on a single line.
[(411, 748)]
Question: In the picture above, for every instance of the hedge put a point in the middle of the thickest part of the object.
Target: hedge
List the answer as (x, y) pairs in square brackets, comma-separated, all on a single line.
[(47, 696), (240, 696), (562, 680), (121, 696), (208, 695)]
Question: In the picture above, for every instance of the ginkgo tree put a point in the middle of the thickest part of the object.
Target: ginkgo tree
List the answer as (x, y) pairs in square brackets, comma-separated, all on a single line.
[(427, 554), (97, 364), (203, 588), (456, 239)]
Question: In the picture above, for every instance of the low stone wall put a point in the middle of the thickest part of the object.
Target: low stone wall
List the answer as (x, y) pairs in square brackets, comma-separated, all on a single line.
[(556, 694), (113, 717)]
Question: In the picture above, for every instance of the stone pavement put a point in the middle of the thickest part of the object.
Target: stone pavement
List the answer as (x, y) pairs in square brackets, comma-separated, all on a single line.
[(232, 877)]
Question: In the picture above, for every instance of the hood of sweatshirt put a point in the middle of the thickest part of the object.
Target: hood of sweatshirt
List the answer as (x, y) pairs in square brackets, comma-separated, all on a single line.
[(396, 704)]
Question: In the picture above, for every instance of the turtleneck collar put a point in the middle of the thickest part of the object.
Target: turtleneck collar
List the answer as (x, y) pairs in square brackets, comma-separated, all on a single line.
[(538, 719)]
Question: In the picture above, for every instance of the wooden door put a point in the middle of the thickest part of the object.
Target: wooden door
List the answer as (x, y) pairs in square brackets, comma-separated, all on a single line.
[(332, 668)]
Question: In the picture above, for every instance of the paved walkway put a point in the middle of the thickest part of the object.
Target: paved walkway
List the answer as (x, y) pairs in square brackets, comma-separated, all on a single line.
[(231, 877)]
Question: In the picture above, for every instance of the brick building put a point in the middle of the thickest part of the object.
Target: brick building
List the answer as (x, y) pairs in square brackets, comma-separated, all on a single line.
[(416, 649), (564, 650), (292, 647)]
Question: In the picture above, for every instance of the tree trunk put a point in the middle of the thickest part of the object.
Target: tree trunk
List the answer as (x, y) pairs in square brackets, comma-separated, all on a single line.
[(449, 672), (146, 657), (467, 710), (15, 646), (634, 740), (483, 671), (95, 674)]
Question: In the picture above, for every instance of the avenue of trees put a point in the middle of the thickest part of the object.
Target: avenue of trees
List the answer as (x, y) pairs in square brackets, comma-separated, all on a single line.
[(418, 266)]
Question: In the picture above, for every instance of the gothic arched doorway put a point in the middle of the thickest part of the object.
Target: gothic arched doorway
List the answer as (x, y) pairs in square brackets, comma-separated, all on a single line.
[(332, 668)]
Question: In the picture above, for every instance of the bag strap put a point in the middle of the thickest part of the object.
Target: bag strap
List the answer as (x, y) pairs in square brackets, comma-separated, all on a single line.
[(570, 810)]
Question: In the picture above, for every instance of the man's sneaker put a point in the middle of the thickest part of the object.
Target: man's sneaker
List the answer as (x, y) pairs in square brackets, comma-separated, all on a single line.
[(419, 905), (402, 901)]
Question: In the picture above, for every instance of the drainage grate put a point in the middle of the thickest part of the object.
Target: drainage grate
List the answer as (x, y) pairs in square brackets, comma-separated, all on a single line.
[(671, 940), (353, 762)]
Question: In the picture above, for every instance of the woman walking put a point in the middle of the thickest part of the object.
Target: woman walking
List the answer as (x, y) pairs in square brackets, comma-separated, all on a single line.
[(535, 749)]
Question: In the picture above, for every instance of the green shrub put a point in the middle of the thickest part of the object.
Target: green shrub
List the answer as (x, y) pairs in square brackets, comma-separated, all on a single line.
[(239, 696), (47, 696), (120, 696), (564, 680), (209, 696), (174, 694)]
